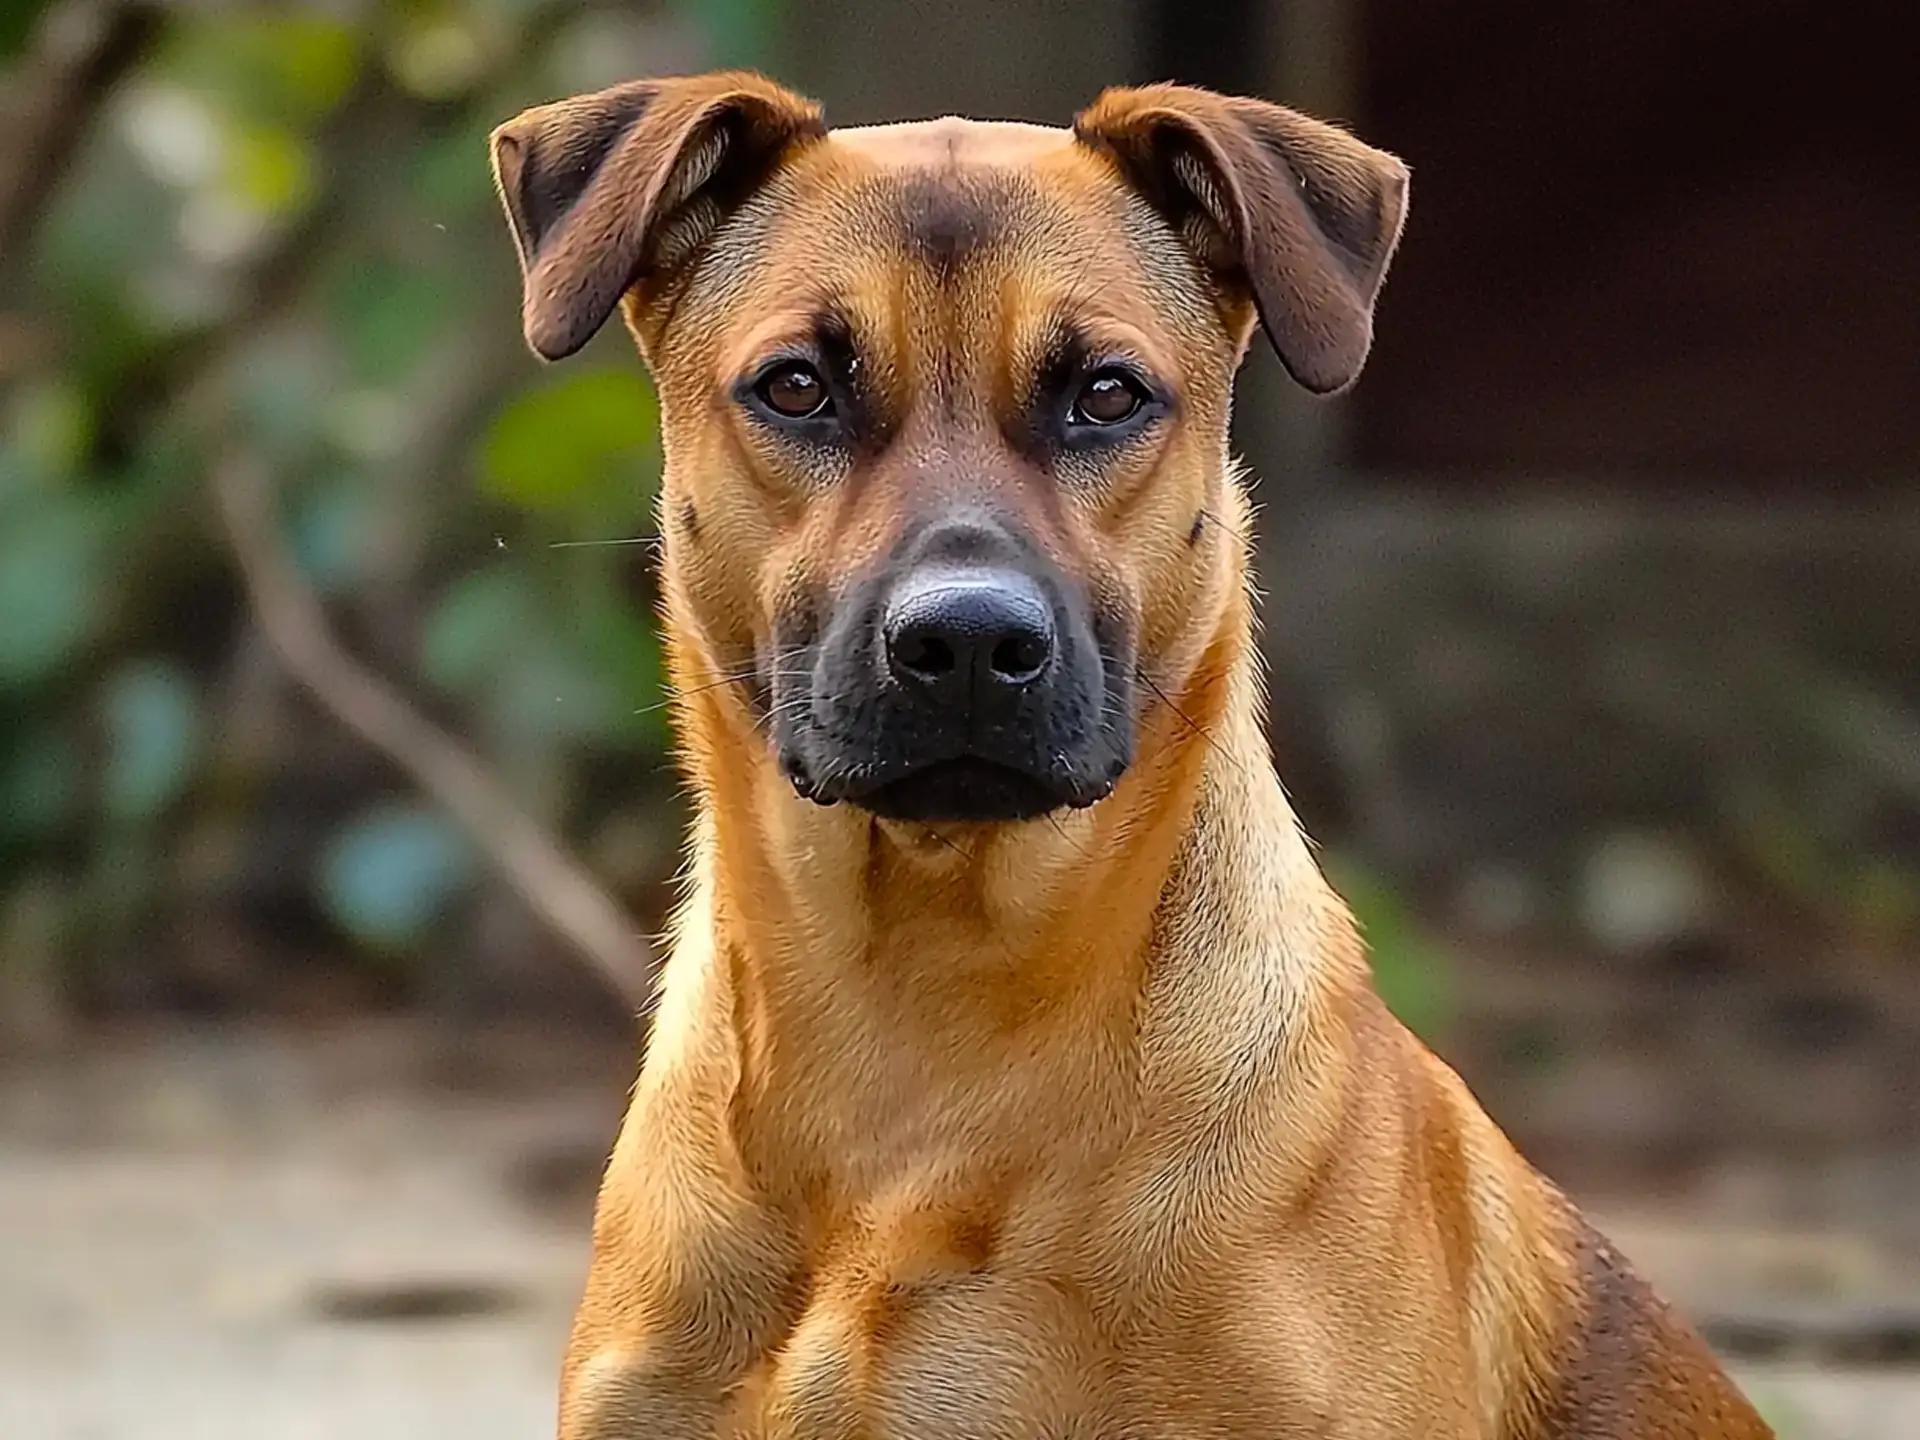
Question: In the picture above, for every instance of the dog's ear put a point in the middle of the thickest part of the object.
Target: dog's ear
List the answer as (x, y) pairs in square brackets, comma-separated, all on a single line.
[(604, 191), (1295, 214)]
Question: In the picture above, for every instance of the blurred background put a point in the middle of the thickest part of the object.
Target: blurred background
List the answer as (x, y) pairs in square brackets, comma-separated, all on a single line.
[(332, 761)]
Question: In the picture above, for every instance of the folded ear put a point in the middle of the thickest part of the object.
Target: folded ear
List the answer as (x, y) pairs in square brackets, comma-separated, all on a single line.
[(1296, 214), (606, 190)]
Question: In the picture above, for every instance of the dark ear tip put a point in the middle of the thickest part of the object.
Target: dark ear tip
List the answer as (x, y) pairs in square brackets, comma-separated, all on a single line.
[(1328, 389), (1330, 369), (552, 340)]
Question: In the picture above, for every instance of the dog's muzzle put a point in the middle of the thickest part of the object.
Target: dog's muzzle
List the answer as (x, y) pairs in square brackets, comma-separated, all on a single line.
[(963, 680)]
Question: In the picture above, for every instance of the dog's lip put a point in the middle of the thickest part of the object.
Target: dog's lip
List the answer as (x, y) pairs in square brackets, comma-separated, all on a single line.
[(964, 788)]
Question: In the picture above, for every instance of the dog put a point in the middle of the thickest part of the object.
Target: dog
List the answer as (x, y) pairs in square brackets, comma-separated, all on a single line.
[(1015, 1073)]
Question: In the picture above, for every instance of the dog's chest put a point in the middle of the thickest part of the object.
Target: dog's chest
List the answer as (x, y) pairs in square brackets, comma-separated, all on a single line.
[(958, 1357), (914, 1342)]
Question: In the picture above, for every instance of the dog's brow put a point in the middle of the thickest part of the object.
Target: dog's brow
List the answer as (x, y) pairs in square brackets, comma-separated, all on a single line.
[(947, 216)]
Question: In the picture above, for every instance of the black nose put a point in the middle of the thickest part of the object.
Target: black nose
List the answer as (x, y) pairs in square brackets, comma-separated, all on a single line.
[(968, 632)]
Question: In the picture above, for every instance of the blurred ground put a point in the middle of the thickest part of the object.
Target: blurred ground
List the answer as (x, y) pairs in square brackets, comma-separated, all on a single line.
[(236, 1233)]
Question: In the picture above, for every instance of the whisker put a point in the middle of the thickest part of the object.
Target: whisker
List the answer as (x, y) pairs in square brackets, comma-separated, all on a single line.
[(951, 844), (1072, 844), (795, 706), (595, 544), (1181, 715), (713, 685), (777, 671)]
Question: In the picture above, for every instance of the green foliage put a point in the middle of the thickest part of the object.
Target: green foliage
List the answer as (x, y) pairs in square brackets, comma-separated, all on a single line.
[(738, 29), (391, 873), (152, 721), (280, 238), (1412, 973), (330, 532), (388, 315), (17, 20), (285, 64), (50, 588), (482, 621), (53, 431), (40, 789), (582, 444)]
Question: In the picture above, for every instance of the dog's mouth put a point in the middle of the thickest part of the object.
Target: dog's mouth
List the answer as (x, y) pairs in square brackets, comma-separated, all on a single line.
[(966, 789)]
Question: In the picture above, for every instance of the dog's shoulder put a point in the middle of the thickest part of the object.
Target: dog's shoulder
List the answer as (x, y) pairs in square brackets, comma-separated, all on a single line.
[(1628, 1366)]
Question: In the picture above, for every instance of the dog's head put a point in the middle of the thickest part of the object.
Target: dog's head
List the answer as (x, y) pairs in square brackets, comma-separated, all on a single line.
[(945, 404)]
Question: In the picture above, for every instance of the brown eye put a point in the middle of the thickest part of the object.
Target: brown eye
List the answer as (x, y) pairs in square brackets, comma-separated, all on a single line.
[(1110, 397), (794, 391)]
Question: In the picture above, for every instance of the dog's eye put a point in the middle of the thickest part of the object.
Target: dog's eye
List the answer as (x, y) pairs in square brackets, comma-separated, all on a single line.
[(794, 391), (1110, 397)]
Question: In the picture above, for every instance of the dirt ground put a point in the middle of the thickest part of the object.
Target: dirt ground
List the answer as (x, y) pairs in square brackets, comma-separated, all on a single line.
[(223, 1234)]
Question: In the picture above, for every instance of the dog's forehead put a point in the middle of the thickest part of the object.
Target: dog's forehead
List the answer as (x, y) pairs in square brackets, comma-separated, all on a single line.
[(985, 232), (950, 191)]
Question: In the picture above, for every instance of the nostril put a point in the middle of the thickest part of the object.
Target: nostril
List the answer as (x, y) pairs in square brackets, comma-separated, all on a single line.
[(926, 655), (1019, 658), (950, 631)]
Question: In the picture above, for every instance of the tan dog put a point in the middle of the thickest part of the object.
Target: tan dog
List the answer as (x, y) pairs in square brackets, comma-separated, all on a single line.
[(1016, 1072)]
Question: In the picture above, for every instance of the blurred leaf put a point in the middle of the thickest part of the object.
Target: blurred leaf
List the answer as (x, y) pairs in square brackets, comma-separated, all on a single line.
[(40, 781), (17, 19), (52, 428), (318, 60), (447, 182), (388, 315), (152, 715), (556, 695), (329, 533), (440, 52), (49, 590), (165, 472), (291, 67), (369, 424), (109, 230), (590, 671), (389, 875), (270, 169), (574, 443), (18, 476), (482, 623), (282, 394), (1411, 974), (739, 32), (624, 646)]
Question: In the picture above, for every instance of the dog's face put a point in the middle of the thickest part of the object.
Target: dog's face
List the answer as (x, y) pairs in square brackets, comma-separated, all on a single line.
[(947, 496)]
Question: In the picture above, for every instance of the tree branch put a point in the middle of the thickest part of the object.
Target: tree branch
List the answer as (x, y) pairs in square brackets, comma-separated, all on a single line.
[(79, 52), (531, 862)]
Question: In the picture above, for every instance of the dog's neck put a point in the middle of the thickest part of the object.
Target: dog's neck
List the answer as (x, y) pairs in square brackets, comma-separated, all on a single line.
[(873, 962)]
